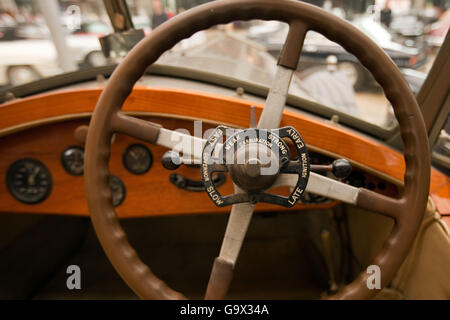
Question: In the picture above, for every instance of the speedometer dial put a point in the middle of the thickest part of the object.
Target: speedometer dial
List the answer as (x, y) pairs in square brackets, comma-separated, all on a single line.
[(29, 181)]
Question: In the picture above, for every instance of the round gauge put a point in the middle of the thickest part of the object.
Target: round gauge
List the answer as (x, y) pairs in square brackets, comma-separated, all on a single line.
[(29, 181), (137, 159), (117, 189), (72, 160)]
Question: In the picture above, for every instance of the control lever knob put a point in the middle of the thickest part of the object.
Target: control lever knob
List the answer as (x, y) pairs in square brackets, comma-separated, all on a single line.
[(171, 160), (341, 168)]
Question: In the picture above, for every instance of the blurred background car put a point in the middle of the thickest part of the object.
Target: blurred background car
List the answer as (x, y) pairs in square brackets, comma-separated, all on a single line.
[(234, 56), (317, 48), (29, 54), (438, 30), (28, 60)]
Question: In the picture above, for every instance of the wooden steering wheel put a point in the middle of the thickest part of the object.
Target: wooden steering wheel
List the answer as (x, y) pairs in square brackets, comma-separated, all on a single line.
[(107, 119)]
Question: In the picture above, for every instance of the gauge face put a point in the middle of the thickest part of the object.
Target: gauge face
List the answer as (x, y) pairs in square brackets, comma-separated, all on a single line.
[(29, 181), (137, 159), (117, 189), (72, 160)]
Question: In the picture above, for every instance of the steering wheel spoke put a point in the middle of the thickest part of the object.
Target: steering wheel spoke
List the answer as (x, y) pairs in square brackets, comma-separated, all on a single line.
[(293, 45), (334, 189), (287, 64), (381, 204), (135, 127), (276, 99), (151, 132), (323, 186), (222, 272)]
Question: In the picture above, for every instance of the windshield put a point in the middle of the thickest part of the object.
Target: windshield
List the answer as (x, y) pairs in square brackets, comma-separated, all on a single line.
[(327, 75)]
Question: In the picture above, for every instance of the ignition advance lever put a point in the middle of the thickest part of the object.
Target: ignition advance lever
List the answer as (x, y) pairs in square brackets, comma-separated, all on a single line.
[(171, 160), (341, 168)]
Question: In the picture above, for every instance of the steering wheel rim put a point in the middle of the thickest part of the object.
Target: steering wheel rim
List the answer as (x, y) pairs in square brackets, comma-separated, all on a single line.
[(301, 17)]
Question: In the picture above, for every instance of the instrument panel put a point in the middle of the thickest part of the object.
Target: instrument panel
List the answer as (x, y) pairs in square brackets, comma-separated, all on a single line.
[(34, 128), (43, 170)]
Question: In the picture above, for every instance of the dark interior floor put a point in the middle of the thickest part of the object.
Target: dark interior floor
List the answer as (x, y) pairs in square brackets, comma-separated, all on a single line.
[(280, 258)]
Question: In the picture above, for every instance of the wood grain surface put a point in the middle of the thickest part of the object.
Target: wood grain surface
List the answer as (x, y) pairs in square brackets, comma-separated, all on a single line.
[(42, 126)]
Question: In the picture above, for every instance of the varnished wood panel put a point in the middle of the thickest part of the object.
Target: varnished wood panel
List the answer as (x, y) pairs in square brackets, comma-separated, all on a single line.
[(318, 133), (333, 139), (146, 195)]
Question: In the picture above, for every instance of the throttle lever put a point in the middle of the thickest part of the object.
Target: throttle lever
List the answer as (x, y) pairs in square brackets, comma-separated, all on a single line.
[(171, 160)]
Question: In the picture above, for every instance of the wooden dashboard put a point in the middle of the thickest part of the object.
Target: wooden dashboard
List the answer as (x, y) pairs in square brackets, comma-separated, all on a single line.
[(42, 127)]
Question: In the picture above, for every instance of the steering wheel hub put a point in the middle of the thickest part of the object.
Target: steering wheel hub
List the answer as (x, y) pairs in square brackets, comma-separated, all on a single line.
[(254, 158)]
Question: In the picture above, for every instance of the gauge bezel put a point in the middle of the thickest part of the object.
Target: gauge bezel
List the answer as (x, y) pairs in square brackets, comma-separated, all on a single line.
[(64, 164), (19, 196), (149, 154)]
